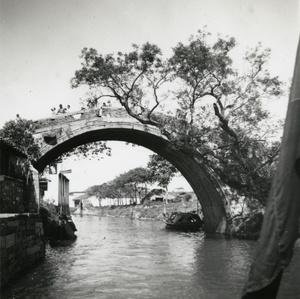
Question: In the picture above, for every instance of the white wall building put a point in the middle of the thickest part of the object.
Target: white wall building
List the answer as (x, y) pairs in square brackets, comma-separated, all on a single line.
[(105, 202), (51, 195)]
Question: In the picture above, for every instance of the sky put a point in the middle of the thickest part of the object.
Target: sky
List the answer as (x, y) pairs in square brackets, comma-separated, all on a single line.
[(41, 41)]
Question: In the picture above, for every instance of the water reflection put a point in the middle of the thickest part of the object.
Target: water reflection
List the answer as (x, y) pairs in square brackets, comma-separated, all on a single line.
[(123, 258)]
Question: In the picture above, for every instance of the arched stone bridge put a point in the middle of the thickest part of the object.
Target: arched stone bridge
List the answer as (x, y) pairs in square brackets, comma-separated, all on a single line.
[(61, 133)]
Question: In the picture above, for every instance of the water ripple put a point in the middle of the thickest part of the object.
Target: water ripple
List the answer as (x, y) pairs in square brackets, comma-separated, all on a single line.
[(122, 258)]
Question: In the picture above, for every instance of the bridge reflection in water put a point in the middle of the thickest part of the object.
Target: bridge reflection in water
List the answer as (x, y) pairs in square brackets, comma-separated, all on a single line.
[(121, 258)]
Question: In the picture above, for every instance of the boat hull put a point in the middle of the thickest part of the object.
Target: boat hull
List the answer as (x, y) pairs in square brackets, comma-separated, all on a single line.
[(183, 221), (183, 227)]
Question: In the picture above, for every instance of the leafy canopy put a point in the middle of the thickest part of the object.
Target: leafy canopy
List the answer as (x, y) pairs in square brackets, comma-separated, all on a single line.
[(161, 171), (19, 133), (130, 184)]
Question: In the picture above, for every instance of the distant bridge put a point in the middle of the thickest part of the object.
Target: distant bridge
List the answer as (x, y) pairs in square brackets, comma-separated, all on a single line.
[(63, 132)]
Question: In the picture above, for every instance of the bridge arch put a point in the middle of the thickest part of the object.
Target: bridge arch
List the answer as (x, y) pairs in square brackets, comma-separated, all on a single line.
[(66, 136)]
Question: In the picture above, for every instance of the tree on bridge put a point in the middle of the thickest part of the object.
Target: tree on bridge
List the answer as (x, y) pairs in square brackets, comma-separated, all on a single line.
[(199, 101)]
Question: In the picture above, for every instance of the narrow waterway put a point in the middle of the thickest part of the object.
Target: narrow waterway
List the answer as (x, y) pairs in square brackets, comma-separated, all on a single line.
[(123, 258)]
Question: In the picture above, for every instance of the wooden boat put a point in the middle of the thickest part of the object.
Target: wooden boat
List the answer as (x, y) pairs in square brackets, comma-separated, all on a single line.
[(62, 232), (186, 221)]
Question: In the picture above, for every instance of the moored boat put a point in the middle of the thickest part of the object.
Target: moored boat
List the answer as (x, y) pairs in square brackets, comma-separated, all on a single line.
[(186, 221)]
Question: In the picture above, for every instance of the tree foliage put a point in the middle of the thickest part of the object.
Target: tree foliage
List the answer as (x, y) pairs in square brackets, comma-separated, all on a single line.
[(161, 170), (130, 184), (134, 183), (89, 150), (19, 133), (199, 101)]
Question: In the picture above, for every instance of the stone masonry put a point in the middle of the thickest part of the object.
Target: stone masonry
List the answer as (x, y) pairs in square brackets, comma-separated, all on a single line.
[(21, 242)]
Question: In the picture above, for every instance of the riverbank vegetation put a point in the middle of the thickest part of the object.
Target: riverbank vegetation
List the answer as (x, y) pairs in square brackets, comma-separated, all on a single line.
[(134, 184), (149, 209), (244, 225)]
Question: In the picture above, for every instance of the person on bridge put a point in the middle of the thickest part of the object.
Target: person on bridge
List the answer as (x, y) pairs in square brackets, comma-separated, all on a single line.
[(100, 109), (53, 112), (60, 109), (66, 110)]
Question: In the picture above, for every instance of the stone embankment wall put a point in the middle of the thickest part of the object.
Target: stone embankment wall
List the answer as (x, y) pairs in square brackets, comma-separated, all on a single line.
[(18, 190), (22, 244), (11, 195)]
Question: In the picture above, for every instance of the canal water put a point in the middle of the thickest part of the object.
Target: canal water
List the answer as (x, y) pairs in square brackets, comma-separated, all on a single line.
[(123, 258)]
